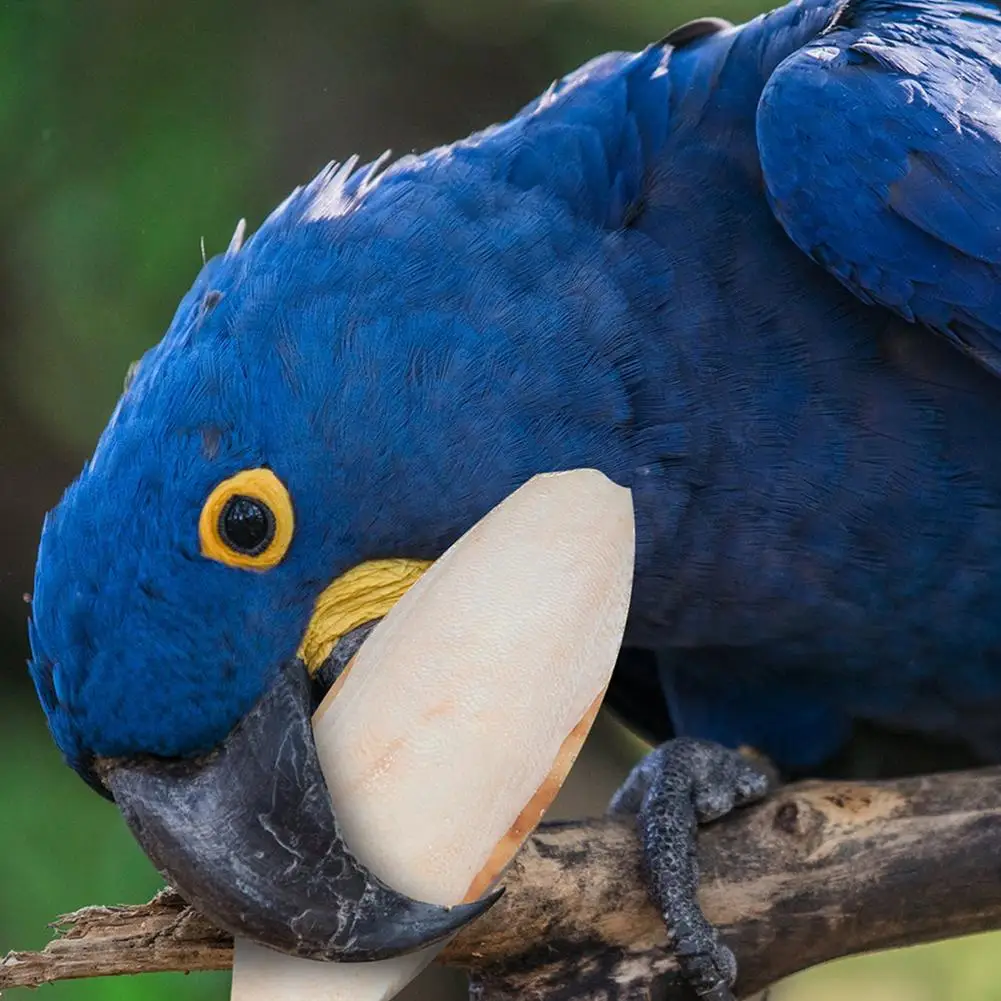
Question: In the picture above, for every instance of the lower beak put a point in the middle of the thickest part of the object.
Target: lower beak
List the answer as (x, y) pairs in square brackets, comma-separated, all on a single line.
[(250, 837)]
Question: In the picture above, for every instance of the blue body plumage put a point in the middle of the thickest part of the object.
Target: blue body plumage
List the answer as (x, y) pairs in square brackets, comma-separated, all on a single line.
[(619, 277)]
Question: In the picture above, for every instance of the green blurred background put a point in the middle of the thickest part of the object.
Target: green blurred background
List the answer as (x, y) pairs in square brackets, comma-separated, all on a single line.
[(129, 131)]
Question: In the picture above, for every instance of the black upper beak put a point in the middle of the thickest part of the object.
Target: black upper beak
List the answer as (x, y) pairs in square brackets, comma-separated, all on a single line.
[(250, 837)]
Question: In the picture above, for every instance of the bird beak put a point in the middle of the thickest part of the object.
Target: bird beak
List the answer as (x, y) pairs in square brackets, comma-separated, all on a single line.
[(249, 836)]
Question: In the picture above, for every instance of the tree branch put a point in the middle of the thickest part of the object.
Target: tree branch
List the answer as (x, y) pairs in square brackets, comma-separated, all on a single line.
[(820, 870)]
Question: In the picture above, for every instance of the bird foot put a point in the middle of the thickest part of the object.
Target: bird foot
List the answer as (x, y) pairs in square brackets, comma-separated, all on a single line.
[(684, 783)]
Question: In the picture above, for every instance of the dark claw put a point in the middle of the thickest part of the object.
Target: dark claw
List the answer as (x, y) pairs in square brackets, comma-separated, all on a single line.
[(719, 993), (681, 784)]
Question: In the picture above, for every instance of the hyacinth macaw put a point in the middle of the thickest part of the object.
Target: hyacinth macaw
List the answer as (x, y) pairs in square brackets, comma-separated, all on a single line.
[(750, 272)]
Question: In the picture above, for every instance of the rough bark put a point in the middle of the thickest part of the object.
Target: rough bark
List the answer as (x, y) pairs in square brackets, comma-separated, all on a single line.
[(820, 870)]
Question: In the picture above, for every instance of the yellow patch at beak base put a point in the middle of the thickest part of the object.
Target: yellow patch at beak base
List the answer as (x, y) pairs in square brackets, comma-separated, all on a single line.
[(365, 593)]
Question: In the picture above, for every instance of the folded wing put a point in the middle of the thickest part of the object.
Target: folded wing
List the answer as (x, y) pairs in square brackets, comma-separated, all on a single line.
[(880, 143)]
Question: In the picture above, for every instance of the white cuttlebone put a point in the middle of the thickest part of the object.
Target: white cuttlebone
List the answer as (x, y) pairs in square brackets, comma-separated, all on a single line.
[(461, 714)]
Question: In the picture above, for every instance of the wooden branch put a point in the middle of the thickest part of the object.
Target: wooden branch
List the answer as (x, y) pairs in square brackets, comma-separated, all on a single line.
[(820, 870)]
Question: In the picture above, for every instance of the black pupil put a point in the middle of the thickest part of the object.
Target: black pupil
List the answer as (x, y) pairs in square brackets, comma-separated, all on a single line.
[(246, 525)]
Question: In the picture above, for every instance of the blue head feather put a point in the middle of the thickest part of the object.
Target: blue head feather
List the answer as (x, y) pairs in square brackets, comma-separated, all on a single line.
[(403, 349)]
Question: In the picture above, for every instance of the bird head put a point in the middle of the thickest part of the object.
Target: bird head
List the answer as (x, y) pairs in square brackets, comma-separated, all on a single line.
[(336, 400)]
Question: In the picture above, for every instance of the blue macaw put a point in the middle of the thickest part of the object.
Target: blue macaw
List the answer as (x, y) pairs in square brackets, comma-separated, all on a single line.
[(750, 272)]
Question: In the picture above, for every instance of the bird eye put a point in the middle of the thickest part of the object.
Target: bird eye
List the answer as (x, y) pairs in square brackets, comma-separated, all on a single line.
[(246, 525), (247, 521)]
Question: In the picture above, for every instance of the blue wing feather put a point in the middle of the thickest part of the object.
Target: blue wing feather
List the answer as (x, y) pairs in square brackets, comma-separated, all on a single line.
[(880, 143)]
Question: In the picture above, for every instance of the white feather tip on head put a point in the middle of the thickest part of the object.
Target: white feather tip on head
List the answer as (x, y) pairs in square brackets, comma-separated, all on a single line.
[(236, 241), (330, 199)]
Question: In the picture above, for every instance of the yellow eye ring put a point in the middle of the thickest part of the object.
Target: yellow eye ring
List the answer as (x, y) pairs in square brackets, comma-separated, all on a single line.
[(247, 521)]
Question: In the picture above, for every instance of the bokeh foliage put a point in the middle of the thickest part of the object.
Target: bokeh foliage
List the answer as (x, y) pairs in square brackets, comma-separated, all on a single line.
[(130, 130)]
